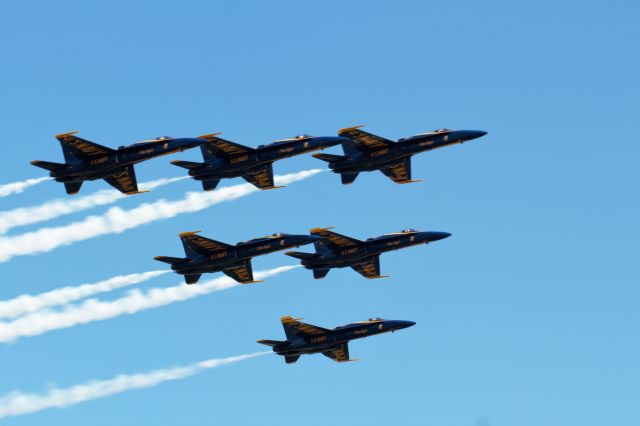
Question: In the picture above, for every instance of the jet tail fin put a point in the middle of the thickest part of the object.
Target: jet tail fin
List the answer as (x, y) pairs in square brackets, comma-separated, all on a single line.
[(290, 359), (72, 187), (271, 343), (191, 278), (329, 158), (318, 274), (300, 255), (48, 165), (170, 260), (186, 164)]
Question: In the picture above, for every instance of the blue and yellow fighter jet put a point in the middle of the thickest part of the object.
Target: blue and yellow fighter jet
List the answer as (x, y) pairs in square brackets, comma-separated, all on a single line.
[(305, 338), (206, 255), (365, 152), (339, 251), (85, 160), (225, 159)]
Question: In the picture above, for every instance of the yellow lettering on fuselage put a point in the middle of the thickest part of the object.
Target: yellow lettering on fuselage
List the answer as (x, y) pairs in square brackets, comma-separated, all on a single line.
[(239, 159), (349, 251), (380, 152), (318, 339), (218, 255), (99, 160)]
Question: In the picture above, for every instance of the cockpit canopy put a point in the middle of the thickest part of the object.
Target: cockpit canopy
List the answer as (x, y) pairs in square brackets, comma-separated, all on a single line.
[(441, 130), (275, 235), (376, 319), (409, 231)]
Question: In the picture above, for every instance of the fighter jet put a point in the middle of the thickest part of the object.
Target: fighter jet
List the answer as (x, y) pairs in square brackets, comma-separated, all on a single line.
[(85, 160), (226, 159), (205, 255), (305, 338), (365, 152), (339, 251)]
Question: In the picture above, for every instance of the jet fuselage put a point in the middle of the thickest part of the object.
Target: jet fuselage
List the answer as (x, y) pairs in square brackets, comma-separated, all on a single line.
[(348, 256), (376, 159), (321, 343), (219, 260), (236, 166), (111, 163)]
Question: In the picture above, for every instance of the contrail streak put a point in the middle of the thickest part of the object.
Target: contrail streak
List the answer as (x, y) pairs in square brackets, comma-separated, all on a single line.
[(18, 187), (26, 303), (117, 220), (17, 403), (55, 208), (135, 301)]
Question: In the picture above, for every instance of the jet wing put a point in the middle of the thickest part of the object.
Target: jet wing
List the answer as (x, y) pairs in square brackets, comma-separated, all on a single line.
[(294, 328), (339, 353), (335, 239), (364, 141), (75, 148), (195, 244), (261, 178), (241, 272), (124, 181), (400, 172), (221, 148), (370, 268)]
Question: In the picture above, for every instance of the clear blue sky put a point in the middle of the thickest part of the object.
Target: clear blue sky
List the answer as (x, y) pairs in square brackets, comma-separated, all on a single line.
[(526, 316)]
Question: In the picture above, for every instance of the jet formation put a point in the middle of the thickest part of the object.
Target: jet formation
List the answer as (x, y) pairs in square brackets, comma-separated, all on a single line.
[(204, 255), (224, 159), (334, 250), (365, 152), (86, 160), (303, 338)]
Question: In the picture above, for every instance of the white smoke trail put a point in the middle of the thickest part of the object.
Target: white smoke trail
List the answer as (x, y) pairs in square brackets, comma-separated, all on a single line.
[(117, 220), (52, 209), (135, 301), (26, 303), (17, 403), (18, 187)]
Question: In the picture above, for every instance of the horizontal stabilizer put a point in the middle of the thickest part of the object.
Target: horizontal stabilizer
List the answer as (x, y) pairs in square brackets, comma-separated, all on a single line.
[(300, 255), (170, 260), (186, 164), (329, 158), (72, 187), (48, 165), (271, 343)]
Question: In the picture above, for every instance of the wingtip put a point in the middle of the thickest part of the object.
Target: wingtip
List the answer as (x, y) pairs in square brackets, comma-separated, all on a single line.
[(209, 135), (61, 135), (313, 230), (136, 192), (346, 129), (272, 187), (252, 282), (184, 234), (378, 276)]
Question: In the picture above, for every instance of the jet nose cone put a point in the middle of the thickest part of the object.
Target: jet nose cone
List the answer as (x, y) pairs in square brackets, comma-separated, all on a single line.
[(408, 324), (435, 236), (399, 325), (468, 135)]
